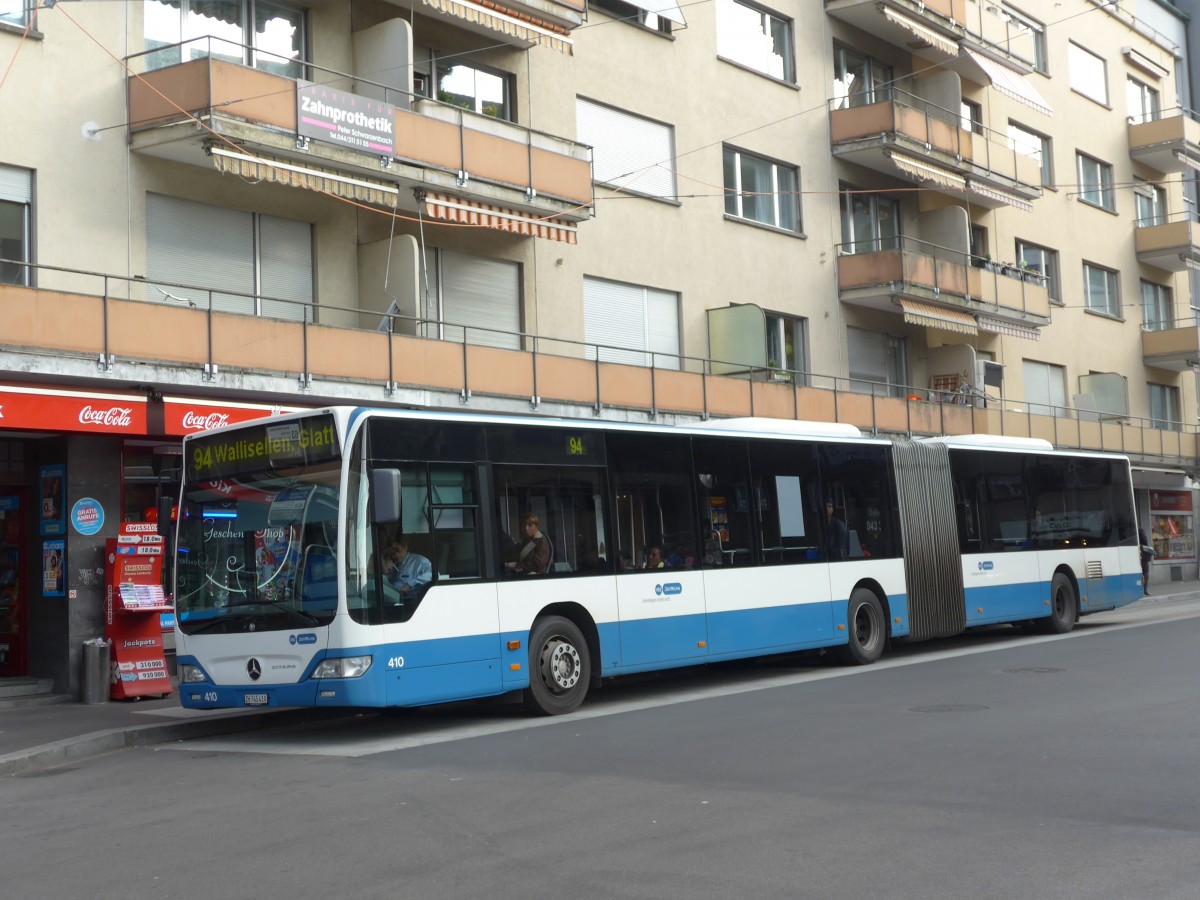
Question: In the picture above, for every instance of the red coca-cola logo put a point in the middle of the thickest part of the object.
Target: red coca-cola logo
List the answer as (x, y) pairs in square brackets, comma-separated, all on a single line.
[(201, 422), (116, 416)]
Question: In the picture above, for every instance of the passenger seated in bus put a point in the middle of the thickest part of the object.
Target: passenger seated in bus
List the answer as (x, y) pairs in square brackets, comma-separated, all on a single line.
[(837, 536), (534, 556), (624, 561), (654, 559), (406, 571)]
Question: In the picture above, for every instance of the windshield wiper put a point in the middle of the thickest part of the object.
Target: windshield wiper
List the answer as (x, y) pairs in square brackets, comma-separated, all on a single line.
[(307, 618)]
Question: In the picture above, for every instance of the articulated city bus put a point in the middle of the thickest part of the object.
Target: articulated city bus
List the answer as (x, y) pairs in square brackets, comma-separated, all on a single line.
[(361, 557)]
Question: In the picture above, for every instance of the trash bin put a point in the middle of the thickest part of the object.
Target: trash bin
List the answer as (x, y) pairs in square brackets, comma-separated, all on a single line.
[(94, 683)]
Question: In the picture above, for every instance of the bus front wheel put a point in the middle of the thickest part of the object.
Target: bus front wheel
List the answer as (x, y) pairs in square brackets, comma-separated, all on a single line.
[(868, 632), (1063, 607), (559, 667)]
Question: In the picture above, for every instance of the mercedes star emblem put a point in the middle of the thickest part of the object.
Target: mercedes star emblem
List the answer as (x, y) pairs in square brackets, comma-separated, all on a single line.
[(253, 669)]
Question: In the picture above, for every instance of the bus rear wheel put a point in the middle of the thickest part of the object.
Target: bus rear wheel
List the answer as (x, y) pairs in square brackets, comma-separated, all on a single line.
[(868, 632), (560, 667), (1064, 607)]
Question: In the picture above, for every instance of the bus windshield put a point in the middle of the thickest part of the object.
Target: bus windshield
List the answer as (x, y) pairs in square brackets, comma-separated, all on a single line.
[(258, 552)]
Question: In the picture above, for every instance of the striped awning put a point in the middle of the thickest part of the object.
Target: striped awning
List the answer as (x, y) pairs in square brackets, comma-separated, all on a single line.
[(930, 316), (261, 167), (1000, 196), (923, 171), (468, 212), (507, 21), (1012, 329), (1182, 156), (924, 32), (1008, 82)]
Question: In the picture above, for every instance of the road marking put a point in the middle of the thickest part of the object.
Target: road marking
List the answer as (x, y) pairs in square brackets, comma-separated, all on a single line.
[(334, 741)]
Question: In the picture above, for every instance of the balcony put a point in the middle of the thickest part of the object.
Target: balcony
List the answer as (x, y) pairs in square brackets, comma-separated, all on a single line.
[(214, 113), (1171, 246), (943, 289), (97, 340), (1175, 347), (918, 142), (937, 30), (1169, 143)]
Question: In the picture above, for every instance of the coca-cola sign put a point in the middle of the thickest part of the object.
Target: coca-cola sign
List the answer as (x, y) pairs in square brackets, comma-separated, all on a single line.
[(194, 421), (113, 417)]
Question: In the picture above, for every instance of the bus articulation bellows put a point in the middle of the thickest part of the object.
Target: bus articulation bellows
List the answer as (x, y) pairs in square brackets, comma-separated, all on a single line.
[(369, 558)]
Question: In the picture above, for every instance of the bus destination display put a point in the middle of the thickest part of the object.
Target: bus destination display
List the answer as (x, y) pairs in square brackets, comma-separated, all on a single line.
[(263, 446)]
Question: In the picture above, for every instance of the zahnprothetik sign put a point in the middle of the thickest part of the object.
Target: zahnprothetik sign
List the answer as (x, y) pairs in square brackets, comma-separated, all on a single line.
[(352, 120)]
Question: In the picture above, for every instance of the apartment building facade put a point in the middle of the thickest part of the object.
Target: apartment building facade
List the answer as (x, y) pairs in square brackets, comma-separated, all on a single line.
[(918, 218)]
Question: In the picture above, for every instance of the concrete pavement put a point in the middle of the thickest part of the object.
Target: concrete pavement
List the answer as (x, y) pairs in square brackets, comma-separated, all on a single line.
[(34, 738)]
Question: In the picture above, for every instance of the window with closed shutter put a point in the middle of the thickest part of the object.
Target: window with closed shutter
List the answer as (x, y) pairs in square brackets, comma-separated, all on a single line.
[(632, 324), (472, 295), (629, 152), (250, 263)]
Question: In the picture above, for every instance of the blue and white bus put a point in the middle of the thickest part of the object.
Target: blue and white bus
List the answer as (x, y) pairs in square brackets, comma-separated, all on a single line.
[(773, 537)]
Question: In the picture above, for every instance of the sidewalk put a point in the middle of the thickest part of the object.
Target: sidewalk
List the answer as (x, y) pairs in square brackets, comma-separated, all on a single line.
[(34, 738)]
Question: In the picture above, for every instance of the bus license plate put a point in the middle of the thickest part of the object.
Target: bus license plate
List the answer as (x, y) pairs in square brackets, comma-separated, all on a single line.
[(256, 699)]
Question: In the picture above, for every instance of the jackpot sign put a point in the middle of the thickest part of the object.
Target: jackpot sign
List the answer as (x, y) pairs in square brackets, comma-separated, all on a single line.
[(253, 449)]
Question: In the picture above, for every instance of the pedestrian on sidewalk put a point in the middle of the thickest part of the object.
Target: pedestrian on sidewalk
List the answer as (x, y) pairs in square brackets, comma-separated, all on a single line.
[(1147, 552)]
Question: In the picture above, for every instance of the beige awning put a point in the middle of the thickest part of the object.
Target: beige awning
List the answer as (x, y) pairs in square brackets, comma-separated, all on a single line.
[(468, 212), (1182, 156), (923, 171), (930, 316), (507, 21), (1000, 196), (924, 32), (1008, 82), (1012, 329), (261, 167)]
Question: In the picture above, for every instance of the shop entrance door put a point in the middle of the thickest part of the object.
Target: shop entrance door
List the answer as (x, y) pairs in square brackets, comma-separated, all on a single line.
[(13, 616)]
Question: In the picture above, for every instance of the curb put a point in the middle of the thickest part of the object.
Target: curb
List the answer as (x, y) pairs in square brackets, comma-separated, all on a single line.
[(48, 756)]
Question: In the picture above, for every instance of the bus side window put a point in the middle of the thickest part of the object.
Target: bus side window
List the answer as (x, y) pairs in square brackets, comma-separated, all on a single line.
[(723, 473)]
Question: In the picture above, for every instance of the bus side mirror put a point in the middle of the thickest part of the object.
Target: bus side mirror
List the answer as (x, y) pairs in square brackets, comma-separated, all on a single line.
[(385, 496)]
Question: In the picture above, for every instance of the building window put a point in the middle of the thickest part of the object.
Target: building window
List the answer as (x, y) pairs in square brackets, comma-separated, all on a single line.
[(878, 363), (756, 38), (761, 191), (1164, 407), (468, 86), (1101, 291), (241, 262), (870, 222), (627, 12), (1089, 73), (979, 246), (15, 12), (1157, 307), (472, 299), (1143, 101), (858, 80), (1044, 262), (787, 338), (629, 152), (16, 210), (1035, 146), (1026, 37), (972, 116), (1045, 388), (630, 323), (260, 33), (1150, 204), (1095, 182)]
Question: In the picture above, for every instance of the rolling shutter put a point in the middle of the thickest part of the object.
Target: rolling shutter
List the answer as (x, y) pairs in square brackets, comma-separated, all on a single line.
[(630, 152)]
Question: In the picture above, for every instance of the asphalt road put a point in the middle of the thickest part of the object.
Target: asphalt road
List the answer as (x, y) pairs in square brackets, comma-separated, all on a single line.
[(993, 766)]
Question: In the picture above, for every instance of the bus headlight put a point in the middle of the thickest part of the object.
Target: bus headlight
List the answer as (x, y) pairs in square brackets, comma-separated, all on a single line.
[(342, 667), (189, 674)]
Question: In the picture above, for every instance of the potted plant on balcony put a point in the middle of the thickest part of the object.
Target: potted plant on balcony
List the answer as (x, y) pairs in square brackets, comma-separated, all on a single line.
[(1030, 274)]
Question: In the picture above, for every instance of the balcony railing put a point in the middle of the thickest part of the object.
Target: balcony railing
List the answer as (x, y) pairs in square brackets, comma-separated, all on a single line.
[(327, 353), (1168, 142), (1172, 344), (911, 138), (1169, 243), (924, 271), (480, 155)]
